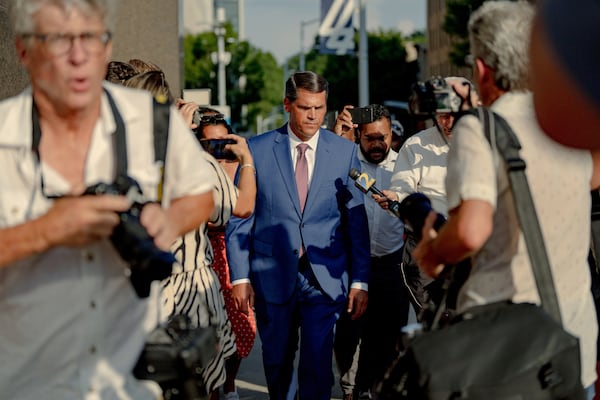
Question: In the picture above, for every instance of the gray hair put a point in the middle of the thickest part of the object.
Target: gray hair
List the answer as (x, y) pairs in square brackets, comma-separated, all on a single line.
[(22, 11), (499, 35), (306, 80)]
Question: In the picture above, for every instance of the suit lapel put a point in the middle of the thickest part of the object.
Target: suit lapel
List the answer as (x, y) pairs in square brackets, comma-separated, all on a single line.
[(281, 150)]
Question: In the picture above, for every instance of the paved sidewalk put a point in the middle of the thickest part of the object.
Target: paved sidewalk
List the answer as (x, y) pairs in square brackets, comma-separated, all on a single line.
[(251, 379)]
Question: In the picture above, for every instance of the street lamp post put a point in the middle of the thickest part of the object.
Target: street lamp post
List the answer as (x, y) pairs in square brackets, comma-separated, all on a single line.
[(221, 58), (302, 57)]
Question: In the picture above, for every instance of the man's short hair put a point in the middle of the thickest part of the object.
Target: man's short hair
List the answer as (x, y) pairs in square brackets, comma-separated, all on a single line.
[(499, 33), (306, 80)]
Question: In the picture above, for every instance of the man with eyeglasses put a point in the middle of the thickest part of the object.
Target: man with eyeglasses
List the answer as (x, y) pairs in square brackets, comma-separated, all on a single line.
[(387, 312), (71, 324)]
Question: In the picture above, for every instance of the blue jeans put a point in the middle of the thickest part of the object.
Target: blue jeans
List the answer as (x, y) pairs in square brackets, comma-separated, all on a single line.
[(591, 392)]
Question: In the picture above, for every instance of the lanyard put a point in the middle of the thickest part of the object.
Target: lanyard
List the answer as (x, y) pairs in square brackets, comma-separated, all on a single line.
[(119, 138)]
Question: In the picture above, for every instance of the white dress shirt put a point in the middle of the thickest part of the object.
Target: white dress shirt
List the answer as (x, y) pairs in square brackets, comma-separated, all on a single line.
[(385, 229), (421, 167)]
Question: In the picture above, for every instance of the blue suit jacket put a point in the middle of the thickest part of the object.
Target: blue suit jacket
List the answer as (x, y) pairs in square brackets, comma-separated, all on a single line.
[(265, 247)]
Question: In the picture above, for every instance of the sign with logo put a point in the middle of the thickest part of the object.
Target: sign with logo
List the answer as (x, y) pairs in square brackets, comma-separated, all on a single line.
[(336, 33)]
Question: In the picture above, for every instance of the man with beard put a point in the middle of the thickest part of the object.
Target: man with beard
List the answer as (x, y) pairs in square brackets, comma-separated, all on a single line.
[(387, 312)]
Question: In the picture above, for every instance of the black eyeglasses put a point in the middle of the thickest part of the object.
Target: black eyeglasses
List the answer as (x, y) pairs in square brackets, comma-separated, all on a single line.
[(59, 44), (212, 119)]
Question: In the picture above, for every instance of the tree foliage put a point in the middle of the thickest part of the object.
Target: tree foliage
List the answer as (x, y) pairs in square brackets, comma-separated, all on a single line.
[(255, 82), (456, 25), (390, 76), (253, 77)]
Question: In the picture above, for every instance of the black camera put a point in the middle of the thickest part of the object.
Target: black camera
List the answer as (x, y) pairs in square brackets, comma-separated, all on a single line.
[(434, 96), (131, 240), (361, 115), (175, 355), (216, 147), (414, 209)]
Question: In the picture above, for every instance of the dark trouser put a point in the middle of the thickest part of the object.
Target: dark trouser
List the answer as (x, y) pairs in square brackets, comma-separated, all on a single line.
[(310, 316), (379, 330), (415, 281), (426, 293)]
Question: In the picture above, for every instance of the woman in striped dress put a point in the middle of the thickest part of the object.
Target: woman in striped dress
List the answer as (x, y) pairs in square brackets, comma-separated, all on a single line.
[(194, 287)]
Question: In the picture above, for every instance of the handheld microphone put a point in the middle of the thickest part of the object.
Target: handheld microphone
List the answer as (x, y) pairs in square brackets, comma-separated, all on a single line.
[(367, 184), (412, 210)]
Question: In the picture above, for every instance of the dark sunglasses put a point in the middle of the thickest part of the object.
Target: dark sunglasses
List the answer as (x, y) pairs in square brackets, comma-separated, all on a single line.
[(212, 119)]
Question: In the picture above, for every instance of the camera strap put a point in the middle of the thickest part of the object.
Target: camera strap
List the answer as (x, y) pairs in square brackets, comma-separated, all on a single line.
[(161, 114), (120, 140)]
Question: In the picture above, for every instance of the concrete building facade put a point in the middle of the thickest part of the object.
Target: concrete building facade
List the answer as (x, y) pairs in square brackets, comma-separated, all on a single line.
[(145, 29)]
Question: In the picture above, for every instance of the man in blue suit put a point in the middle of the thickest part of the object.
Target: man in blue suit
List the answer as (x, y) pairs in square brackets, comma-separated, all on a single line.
[(303, 257)]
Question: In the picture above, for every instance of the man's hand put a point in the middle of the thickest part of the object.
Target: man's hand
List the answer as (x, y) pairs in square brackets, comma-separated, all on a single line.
[(423, 253), (155, 219), (187, 109), (343, 124), (79, 221), (243, 297), (384, 201), (357, 302)]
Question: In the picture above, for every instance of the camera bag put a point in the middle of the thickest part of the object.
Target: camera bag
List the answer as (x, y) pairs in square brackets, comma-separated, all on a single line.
[(500, 350)]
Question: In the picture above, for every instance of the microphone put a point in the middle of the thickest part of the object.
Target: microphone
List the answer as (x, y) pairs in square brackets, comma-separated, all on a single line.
[(412, 210), (367, 184)]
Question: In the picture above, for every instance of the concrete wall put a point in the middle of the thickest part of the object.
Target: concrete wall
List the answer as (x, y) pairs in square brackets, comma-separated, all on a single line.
[(145, 29), (12, 76), (149, 30)]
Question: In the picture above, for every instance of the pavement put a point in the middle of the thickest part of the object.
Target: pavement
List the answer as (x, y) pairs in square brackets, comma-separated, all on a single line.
[(251, 383)]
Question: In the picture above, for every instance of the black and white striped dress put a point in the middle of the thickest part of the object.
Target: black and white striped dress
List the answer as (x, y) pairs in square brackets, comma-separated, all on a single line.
[(193, 288)]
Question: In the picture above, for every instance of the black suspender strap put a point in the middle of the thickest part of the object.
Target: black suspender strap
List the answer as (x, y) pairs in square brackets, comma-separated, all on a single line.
[(161, 115), (120, 138)]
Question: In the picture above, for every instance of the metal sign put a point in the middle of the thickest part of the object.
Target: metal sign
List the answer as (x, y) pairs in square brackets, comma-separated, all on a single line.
[(336, 31)]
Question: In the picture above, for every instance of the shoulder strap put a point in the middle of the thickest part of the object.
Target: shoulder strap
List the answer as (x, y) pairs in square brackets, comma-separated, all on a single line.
[(508, 146), (120, 138), (161, 115)]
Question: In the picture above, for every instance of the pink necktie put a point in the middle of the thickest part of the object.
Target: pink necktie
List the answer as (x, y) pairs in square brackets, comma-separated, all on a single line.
[(302, 174)]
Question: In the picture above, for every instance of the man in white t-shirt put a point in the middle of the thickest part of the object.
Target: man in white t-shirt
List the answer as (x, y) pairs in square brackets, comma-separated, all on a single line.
[(482, 221)]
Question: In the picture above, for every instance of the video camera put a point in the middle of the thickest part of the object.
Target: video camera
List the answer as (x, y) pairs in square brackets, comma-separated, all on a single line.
[(175, 355), (131, 240), (434, 96)]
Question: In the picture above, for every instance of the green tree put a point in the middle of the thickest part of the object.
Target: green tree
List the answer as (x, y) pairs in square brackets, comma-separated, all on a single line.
[(390, 76), (253, 77), (456, 25)]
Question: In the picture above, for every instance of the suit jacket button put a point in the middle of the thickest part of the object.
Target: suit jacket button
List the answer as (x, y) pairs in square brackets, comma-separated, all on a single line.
[(296, 252), (302, 225)]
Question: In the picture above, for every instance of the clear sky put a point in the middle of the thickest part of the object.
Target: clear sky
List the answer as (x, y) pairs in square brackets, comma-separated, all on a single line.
[(274, 25)]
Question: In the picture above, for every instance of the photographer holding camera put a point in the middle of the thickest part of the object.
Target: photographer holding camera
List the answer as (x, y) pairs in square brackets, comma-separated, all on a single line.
[(482, 223), (72, 325), (421, 166)]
